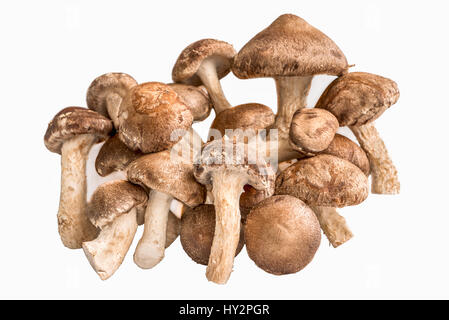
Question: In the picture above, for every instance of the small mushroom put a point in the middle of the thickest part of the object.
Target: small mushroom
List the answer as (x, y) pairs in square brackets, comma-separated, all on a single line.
[(226, 166), (112, 208), (196, 98), (72, 133), (357, 99), (282, 235), (197, 233), (248, 199)]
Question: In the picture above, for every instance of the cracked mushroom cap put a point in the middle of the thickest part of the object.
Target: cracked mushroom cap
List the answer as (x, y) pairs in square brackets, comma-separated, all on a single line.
[(112, 199), (289, 47), (196, 98), (324, 181), (113, 156), (312, 130), (74, 121), (358, 98), (282, 235), (197, 233), (191, 58), (149, 114), (158, 171)]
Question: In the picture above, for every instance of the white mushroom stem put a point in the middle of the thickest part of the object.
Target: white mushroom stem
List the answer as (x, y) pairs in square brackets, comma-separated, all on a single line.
[(226, 189), (333, 225), (73, 225), (113, 101), (107, 251), (151, 247), (384, 176), (208, 75)]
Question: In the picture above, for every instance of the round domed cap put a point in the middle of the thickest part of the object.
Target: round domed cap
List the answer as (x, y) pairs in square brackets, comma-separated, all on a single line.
[(196, 98)]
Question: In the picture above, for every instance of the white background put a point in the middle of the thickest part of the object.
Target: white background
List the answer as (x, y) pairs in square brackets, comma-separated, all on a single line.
[(52, 50)]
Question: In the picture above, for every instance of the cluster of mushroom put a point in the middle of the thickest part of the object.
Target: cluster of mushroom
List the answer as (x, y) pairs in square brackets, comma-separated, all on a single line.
[(221, 195)]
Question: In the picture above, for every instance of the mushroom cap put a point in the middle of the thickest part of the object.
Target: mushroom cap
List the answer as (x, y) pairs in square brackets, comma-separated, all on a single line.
[(344, 148), (104, 85), (289, 47), (325, 181), (112, 199), (358, 98), (171, 175), (191, 58), (312, 130), (196, 98), (173, 230), (197, 233), (282, 235), (73, 121), (246, 116), (114, 155), (248, 199), (149, 114)]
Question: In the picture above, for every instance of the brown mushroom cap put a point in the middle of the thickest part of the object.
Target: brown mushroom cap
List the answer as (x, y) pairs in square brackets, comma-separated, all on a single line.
[(73, 121), (289, 47), (325, 181), (173, 230), (114, 155), (158, 171), (196, 98), (358, 98), (191, 58), (197, 233), (148, 116), (312, 130), (248, 199), (282, 235), (112, 199)]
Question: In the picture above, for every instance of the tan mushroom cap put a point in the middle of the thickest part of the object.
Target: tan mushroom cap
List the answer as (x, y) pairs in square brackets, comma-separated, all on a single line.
[(196, 98), (191, 58), (282, 235), (74, 121), (358, 98), (158, 171), (113, 156), (148, 116), (197, 233), (289, 47), (112, 199), (325, 181), (312, 130)]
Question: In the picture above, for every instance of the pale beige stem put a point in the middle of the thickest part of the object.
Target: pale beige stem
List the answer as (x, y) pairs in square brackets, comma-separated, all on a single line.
[(384, 176), (113, 101), (107, 251), (173, 225), (73, 225), (333, 225)]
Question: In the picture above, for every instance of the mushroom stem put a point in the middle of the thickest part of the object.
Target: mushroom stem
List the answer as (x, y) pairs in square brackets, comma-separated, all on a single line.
[(73, 224), (113, 102), (384, 176), (333, 225), (107, 251), (226, 189), (151, 247), (208, 75)]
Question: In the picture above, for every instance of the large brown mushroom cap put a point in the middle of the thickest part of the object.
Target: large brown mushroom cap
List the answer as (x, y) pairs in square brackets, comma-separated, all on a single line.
[(191, 58), (73, 121), (196, 98), (324, 180), (289, 47), (149, 114), (358, 98), (282, 235)]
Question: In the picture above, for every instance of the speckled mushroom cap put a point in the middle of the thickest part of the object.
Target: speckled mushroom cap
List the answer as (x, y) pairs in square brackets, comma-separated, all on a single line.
[(173, 176), (149, 114), (348, 150), (196, 98), (312, 130), (112, 199), (101, 87), (289, 47), (191, 58), (246, 116), (248, 199), (325, 181), (282, 235), (74, 121), (197, 233), (114, 155), (358, 98)]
